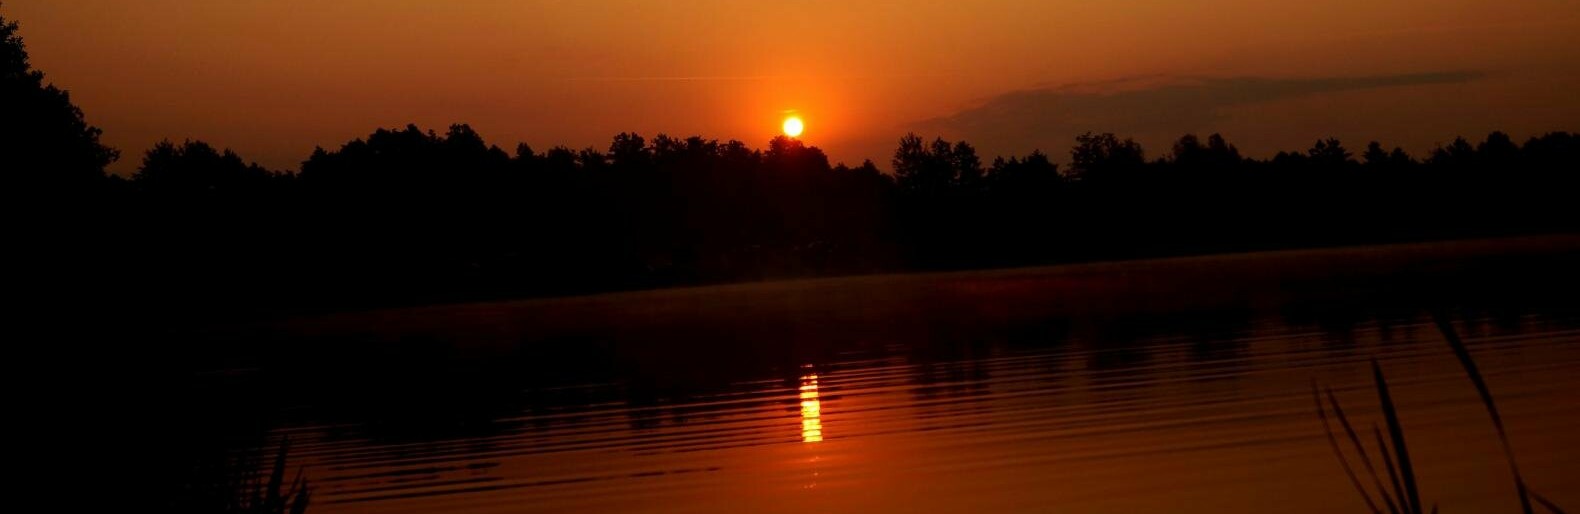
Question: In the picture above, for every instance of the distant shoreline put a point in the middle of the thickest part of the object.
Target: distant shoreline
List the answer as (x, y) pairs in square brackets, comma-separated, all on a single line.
[(891, 302)]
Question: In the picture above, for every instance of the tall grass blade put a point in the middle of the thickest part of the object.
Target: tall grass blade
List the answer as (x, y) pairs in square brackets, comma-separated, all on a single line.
[(300, 499), (1355, 440), (1396, 433), (1545, 503), (272, 499), (1469, 364), (1334, 443), (1393, 476)]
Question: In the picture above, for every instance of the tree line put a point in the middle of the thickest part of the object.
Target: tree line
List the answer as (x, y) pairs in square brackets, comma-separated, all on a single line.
[(409, 215)]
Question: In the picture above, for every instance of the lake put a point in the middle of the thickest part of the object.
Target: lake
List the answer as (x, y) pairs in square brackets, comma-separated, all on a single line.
[(1169, 385)]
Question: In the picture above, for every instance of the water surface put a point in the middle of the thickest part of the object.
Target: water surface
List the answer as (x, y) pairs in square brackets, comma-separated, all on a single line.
[(1161, 386)]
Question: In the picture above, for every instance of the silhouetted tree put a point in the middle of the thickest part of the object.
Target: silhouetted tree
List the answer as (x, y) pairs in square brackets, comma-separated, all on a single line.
[(1034, 175), (194, 167), (45, 139), (1458, 156), (1557, 153), (1498, 149), (966, 165), (1378, 159), (1220, 152), (1375, 155), (937, 167), (1329, 154), (629, 151), (1196, 161), (917, 168), (1188, 151), (1106, 157)]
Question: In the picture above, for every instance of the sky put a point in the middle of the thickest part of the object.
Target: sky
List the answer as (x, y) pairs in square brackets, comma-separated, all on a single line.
[(272, 79)]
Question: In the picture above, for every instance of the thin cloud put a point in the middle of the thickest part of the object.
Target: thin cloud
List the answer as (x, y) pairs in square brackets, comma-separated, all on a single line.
[(700, 78), (1145, 105), (1528, 24), (739, 78)]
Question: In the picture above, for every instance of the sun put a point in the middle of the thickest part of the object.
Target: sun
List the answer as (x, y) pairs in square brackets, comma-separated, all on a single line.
[(793, 126)]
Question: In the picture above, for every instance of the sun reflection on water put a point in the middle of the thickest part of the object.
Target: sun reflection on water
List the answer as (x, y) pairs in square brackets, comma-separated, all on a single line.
[(811, 411)]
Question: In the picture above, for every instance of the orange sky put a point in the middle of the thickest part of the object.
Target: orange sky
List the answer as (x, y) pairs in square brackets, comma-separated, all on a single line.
[(274, 78)]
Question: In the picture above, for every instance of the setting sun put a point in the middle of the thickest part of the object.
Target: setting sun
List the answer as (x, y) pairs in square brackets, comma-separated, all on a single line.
[(793, 126)]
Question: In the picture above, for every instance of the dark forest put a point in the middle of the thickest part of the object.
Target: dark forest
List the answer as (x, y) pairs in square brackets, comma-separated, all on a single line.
[(413, 216)]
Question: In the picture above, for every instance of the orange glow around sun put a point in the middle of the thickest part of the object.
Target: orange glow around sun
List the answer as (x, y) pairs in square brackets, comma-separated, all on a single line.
[(793, 126)]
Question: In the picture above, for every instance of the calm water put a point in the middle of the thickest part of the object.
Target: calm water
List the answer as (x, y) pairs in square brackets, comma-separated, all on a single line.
[(1023, 391)]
